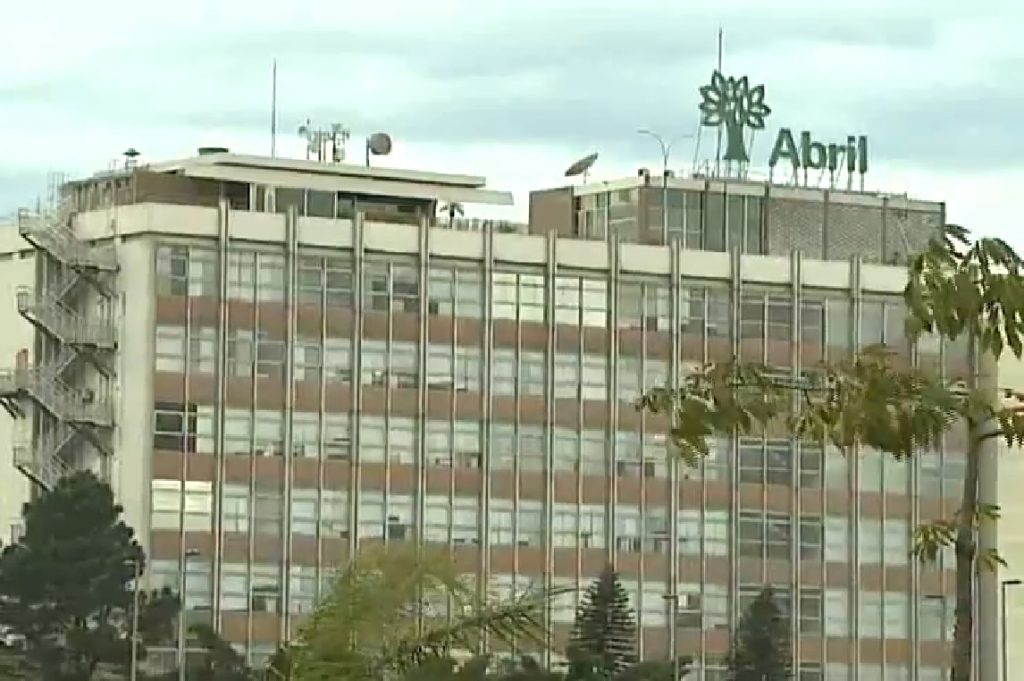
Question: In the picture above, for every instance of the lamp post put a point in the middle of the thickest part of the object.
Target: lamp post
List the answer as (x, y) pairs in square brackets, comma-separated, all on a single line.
[(666, 150), (189, 553), (137, 565), (672, 600), (1002, 598)]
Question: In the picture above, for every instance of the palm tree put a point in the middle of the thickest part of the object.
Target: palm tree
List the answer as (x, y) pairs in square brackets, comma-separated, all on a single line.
[(397, 607), (451, 208)]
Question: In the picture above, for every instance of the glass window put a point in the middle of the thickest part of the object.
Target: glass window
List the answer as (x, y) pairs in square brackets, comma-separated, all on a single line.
[(371, 515), (235, 514), (528, 532), (837, 539), (268, 513), (837, 613), (567, 300), (870, 541), (170, 349), (811, 455), (567, 376), (595, 303), (339, 283), (897, 614), (593, 521), (594, 378), (334, 514), (837, 317), (270, 277), (172, 270), (870, 614), (266, 588), (716, 533), (234, 585), (303, 514), (630, 378), (811, 612), (306, 353), (871, 470), (337, 435), (405, 289), (302, 588), (811, 538), (896, 547), (242, 275), (871, 323), (499, 517)]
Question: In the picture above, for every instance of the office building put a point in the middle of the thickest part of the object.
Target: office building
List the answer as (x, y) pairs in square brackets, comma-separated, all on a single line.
[(324, 363)]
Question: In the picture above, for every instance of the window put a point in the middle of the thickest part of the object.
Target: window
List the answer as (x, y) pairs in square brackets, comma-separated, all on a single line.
[(265, 592), (170, 349), (871, 470), (811, 456), (837, 470), (768, 462), (811, 539), (303, 513), (338, 360), (302, 588), (531, 448), (522, 293), (235, 514), (306, 353), (172, 431), (837, 539), (499, 517), (567, 376), (896, 609), (339, 283), (567, 300), (503, 372), (531, 373), (268, 512), (270, 277), (372, 438), (528, 533), (595, 303), (371, 515), (837, 613), (269, 356), (835, 671), (234, 585), (401, 440), (811, 609), (871, 323), (933, 609), (166, 505), (870, 614), (627, 528), (334, 514), (337, 435), (172, 270), (594, 378), (269, 433), (870, 541), (592, 520), (716, 607), (896, 542), (565, 525), (716, 533), (242, 275), (688, 530), (404, 371)]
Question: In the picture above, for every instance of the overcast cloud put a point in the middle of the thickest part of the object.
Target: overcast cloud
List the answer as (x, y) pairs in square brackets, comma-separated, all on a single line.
[(515, 90)]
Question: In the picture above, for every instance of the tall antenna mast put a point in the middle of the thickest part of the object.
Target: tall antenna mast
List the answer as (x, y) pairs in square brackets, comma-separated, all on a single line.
[(273, 111), (718, 142)]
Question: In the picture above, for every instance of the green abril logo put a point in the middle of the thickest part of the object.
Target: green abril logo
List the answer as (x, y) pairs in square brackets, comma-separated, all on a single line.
[(732, 103)]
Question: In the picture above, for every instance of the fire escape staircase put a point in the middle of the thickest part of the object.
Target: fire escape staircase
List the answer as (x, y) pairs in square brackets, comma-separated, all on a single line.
[(69, 410)]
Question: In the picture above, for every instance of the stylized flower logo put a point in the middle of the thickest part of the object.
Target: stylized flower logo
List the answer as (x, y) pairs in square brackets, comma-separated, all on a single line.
[(733, 103)]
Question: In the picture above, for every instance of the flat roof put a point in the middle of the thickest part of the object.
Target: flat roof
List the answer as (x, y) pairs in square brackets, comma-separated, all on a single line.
[(317, 175)]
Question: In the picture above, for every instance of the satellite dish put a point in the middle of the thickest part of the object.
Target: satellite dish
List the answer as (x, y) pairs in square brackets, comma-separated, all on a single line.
[(378, 144), (582, 166)]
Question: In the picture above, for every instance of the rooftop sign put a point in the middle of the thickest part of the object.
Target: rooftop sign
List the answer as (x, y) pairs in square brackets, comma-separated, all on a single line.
[(733, 104)]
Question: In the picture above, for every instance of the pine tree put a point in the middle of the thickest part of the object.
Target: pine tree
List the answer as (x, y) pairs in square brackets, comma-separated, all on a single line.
[(603, 640), (761, 649), (66, 585)]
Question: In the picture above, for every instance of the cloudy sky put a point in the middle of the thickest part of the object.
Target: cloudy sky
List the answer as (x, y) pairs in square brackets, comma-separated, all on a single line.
[(517, 89)]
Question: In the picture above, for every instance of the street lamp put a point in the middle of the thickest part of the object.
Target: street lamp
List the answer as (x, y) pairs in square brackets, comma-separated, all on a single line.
[(189, 553), (672, 600), (666, 150), (1002, 593)]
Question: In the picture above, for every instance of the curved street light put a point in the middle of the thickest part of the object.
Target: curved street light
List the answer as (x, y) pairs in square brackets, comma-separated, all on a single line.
[(666, 151)]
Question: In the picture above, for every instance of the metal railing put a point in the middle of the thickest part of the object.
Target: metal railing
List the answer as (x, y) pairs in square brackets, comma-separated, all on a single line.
[(66, 403), (49, 234), (63, 323), (42, 462)]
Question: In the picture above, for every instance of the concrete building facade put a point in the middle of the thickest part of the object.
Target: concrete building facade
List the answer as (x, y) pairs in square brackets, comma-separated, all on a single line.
[(275, 362)]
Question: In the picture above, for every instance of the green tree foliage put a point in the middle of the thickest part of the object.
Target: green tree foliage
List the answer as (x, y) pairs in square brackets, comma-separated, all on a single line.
[(66, 585), (369, 626), (219, 662), (603, 641), (957, 288), (761, 651)]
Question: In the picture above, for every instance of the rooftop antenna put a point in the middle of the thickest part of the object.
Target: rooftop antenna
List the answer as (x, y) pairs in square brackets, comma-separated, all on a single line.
[(582, 167), (273, 111), (378, 144), (718, 141)]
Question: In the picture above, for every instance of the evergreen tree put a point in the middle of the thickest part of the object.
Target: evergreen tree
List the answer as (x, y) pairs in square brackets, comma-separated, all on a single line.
[(603, 639), (761, 649), (66, 585)]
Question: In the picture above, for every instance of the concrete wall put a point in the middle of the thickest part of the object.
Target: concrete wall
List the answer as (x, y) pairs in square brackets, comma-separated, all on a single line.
[(1010, 529), (17, 268)]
